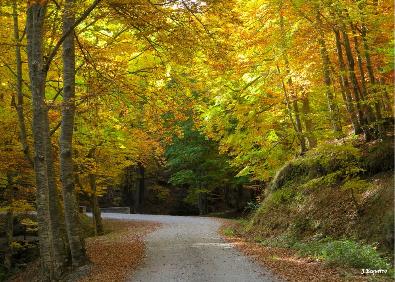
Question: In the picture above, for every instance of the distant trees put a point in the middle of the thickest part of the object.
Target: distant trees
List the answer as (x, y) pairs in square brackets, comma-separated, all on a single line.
[(195, 163)]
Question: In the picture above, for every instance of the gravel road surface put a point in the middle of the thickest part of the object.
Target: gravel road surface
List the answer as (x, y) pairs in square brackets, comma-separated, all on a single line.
[(187, 248)]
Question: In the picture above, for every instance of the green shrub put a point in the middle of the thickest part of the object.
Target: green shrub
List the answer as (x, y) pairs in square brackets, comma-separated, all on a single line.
[(251, 206), (229, 232), (344, 253), (378, 158)]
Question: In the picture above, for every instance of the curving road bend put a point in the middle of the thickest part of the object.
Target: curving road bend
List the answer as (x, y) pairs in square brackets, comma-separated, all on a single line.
[(187, 248)]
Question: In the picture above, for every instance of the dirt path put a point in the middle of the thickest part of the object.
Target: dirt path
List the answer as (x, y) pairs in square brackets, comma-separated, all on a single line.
[(190, 249)]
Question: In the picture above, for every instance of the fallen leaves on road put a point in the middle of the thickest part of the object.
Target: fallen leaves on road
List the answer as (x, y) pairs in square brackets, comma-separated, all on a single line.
[(114, 256)]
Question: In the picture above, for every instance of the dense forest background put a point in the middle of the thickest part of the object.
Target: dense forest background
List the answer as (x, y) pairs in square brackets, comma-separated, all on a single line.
[(194, 107)]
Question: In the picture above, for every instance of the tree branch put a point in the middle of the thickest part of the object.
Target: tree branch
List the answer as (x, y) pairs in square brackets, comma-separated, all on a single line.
[(66, 34)]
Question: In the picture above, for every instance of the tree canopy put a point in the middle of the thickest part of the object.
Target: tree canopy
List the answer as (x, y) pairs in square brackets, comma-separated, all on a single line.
[(216, 93)]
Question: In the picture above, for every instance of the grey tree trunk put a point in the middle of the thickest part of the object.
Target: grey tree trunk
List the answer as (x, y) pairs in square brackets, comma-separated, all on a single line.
[(96, 214), (312, 140), (377, 105), (60, 243), (364, 91), (75, 239), (9, 222), (141, 171), (333, 109), (19, 80), (34, 27), (345, 86), (289, 110), (364, 111), (295, 107)]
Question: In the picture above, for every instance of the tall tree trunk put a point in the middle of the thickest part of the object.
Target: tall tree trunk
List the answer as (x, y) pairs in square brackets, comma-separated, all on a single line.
[(370, 71), (9, 222), (96, 214), (333, 109), (295, 107), (141, 187), (387, 100), (377, 106), (75, 239), (364, 111), (19, 80), (308, 122), (202, 203), (35, 23), (289, 110), (60, 243), (364, 91), (345, 86)]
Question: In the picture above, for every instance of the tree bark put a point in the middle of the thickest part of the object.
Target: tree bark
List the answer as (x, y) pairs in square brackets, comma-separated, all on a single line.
[(377, 106), (370, 71), (312, 140), (9, 222), (364, 111), (345, 86), (141, 184), (75, 240), (60, 242), (96, 214), (295, 107), (19, 81), (333, 109), (35, 24)]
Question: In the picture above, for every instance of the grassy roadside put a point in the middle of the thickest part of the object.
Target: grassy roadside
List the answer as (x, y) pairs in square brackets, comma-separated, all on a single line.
[(330, 260)]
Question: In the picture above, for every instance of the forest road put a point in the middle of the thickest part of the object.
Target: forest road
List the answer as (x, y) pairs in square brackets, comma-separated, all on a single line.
[(188, 248)]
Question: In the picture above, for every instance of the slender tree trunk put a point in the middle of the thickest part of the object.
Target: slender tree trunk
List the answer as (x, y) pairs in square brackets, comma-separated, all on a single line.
[(289, 110), (377, 106), (298, 124), (295, 107), (96, 214), (141, 184), (35, 23), (308, 122), (388, 106), (75, 239), (202, 203), (333, 109), (364, 111), (60, 243), (9, 222), (136, 190), (19, 80), (370, 72), (9, 238), (345, 86), (364, 91)]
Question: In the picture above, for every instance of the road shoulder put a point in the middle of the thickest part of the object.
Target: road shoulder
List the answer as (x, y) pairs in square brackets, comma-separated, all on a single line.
[(286, 264)]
